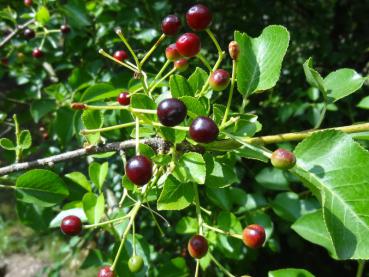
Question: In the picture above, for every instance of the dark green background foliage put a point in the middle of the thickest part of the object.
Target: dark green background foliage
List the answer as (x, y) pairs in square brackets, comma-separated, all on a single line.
[(334, 33)]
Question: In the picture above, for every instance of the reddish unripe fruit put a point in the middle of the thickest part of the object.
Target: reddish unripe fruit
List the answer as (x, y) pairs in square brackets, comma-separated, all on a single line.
[(219, 80), (171, 52), (65, 29), (283, 159), (29, 33), (5, 61), (124, 99), (37, 53), (188, 44), (120, 55), (181, 65), (71, 225), (253, 236), (234, 50), (197, 246), (171, 112), (28, 3), (105, 272), (199, 17), (170, 25), (203, 129), (139, 170)]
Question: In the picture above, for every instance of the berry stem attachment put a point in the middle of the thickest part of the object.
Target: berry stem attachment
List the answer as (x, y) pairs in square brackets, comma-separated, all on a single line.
[(153, 48), (198, 209), (221, 267), (106, 222), (234, 68), (197, 268), (204, 61), (130, 67), (237, 236), (133, 214)]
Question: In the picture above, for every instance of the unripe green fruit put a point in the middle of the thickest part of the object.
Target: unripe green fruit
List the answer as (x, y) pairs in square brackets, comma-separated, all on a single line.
[(283, 159), (135, 263)]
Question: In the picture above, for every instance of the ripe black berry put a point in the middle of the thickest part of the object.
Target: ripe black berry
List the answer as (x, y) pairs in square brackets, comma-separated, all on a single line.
[(71, 225), (120, 55), (170, 25), (65, 29), (29, 33), (283, 159), (203, 129), (135, 264), (188, 44), (105, 272), (253, 236), (171, 52), (124, 99), (199, 17), (139, 170), (171, 112), (181, 65), (37, 53), (219, 80), (197, 246)]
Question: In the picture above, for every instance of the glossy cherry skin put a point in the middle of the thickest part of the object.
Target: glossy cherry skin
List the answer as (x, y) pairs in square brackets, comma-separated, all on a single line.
[(283, 159), (253, 236), (170, 25), (197, 246), (219, 80), (105, 272), (139, 170), (171, 52), (65, 29), (71, 225), (37, 53), (27, 3), (124, 99), (135, 264), (181, 65), (188, 44), (199, 17), (171, 112), (203, 129), (29, 33), (120, 55)]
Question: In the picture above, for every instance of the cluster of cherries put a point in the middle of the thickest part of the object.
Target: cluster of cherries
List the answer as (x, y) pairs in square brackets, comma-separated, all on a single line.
[(172, 112)]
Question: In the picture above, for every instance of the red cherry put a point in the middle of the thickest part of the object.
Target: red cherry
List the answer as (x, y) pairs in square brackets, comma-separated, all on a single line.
[(188, 44), (105, 272), (65, 29), (203, 129), (219, 80), (124, 99), (171, 52), (71, 225), (120, 55), (197, 246), (139, 170), (199, 17), (170, 25), (28, 3), (181, 65), (254, 236), (37, 53)]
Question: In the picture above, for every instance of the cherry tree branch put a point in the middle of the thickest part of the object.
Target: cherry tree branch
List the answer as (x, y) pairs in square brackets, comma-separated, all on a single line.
[(15, 31)]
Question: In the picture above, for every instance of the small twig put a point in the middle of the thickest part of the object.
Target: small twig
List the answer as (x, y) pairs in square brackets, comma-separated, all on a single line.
[(15, 31)]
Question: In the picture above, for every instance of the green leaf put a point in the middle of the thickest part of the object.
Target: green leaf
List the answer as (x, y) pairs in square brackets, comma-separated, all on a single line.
[(179, 86), (342, 83), (63, 127), (260, 59), (219, 174), (98, 173), (246, 126), (364, 103), (190, 167), (41, 187), (187, 225), (175, 195), (312, 227), (176, 267), (272, 178), (33, 216), (43, 15), (99, 91), (7, 144), (25, 139), (197, 79), (80, 179), (220, 197), (92, 119), (93, 206), (142, 101), (313, 77), (76, 13), (334, 167), (195, 107), (290, 272), (248, 153), (173, 135), (39, 108)]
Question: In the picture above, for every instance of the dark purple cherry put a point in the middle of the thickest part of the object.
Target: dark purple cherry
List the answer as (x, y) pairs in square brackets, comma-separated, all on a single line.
[(203, 129), (171, 112)]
